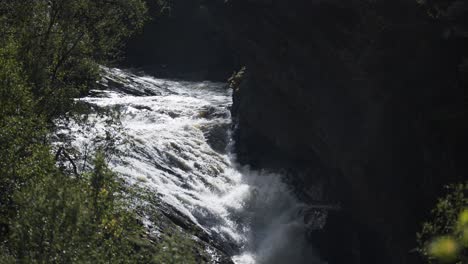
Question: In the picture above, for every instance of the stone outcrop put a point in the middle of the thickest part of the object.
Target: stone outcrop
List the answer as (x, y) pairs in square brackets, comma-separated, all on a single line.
[(366, 96)]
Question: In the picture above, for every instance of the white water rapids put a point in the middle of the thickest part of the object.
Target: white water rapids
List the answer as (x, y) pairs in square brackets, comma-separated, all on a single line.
[(177, 144)]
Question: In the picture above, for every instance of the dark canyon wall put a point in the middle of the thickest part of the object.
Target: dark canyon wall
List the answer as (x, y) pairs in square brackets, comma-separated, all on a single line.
[(368, 95), (185, 41), (367, 98)]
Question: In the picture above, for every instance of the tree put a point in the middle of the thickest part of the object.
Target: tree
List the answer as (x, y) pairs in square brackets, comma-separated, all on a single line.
[(61, 42), (21, 131)]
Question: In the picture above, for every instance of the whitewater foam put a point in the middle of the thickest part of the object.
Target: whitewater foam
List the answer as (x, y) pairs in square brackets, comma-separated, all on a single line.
[(162, 139)]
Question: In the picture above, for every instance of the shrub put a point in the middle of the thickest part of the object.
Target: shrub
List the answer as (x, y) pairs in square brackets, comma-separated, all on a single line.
[(445, 238), (66, 220)]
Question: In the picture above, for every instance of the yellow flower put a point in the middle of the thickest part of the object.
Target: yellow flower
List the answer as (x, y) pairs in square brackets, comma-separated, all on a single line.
[(103, 193), (464, 237), (463, 218), (444, 249)]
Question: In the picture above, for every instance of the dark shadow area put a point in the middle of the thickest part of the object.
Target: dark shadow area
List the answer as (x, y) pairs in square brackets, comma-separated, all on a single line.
[(186, 42), (373, 91), (369, 98)]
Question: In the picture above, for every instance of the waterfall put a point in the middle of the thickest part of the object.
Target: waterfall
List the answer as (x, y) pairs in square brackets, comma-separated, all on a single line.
[(173, 138)]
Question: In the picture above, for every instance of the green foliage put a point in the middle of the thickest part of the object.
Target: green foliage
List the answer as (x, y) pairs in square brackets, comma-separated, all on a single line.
[(60, 42), (445, 238), (175, 249), (21, 131), (5, 258), (60, 219), (236, 79), (444, 249)]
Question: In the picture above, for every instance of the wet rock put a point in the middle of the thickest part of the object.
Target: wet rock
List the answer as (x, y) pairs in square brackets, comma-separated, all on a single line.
[(128, 83), (142, 107), (180, 163), (214, 112), (173, 114), (217, 136), (162, 218), (197, 166)]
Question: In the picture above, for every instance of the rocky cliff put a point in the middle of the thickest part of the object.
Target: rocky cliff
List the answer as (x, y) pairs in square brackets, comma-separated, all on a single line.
[(183, 41), (367, 97)]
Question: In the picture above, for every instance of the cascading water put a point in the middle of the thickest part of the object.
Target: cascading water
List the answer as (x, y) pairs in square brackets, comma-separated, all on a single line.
[(176, 137)]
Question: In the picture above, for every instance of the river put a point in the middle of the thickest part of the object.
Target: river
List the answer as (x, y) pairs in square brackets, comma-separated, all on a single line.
[(174, 138)]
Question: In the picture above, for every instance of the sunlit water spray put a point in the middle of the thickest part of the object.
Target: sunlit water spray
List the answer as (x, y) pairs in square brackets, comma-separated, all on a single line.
[(176, 144)]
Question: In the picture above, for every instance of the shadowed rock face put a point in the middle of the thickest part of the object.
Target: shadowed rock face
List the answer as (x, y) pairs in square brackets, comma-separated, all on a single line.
[(368, 96), (184, 42)]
